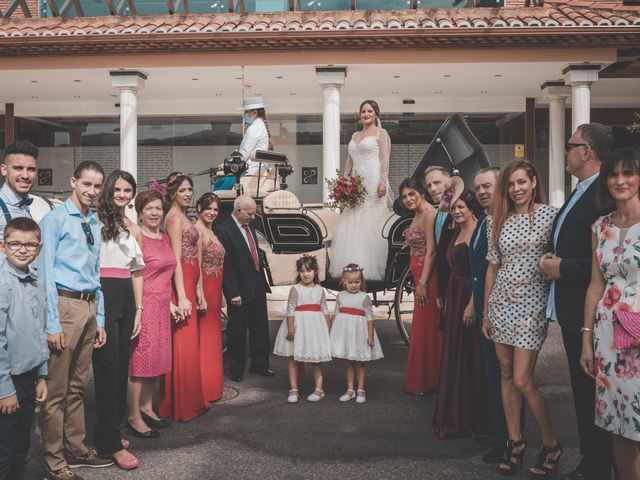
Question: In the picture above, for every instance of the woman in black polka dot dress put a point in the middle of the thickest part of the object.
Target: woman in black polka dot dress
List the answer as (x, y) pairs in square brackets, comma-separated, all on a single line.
[(516, 292)]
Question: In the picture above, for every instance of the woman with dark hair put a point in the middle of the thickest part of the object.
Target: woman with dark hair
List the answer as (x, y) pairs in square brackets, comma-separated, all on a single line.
[(423, 363), (211, 255), (182, 396), (151, 349), (369, 159), (462, 407), (121, 265), (514, 316), (610, 352)]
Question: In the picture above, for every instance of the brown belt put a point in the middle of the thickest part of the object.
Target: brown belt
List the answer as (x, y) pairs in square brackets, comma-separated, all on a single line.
[(88, 296)]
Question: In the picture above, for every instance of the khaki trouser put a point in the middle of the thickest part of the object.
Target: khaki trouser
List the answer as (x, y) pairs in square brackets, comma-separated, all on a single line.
[(62, 415)]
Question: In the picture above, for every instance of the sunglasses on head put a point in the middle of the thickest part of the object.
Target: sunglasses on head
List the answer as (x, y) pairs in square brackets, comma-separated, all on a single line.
[(88, 233)]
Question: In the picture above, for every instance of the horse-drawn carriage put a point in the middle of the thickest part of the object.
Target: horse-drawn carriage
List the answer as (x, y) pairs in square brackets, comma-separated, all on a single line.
[(289, 228)]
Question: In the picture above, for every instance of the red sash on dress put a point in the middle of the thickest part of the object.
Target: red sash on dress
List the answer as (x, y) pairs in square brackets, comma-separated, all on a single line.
[(310, 307), (352, 311)]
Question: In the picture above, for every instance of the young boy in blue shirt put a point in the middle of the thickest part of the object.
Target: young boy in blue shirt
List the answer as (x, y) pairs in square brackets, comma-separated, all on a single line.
[(23, 343)]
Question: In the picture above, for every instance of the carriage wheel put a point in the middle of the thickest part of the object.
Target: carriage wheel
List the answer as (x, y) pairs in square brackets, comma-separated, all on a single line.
[(403, 303)]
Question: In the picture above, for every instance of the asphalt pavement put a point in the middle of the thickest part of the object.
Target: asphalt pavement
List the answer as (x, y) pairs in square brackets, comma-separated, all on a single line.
[(257, 435)]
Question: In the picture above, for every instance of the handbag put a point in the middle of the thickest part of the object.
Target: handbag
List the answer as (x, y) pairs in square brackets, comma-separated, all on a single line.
[(626, 329)]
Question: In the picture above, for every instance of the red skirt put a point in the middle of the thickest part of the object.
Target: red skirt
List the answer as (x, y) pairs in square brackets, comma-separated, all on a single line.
[(211, 338)]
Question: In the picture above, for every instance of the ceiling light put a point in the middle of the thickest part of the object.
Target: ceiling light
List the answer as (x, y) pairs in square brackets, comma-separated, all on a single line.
[(218, 94), (238, 78), (292, 93), (395, 92), (483, 92), (279, 78), (396, 76), (114, 96), (498, 75), (76, 96), (77, 81), (35, 97), (195, 79), (446, 75), (34, 81)]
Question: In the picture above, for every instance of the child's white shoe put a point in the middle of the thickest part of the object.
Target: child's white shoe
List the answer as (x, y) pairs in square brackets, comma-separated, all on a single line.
[(314, 397), (293, 396), (361, 398), (348, 396)]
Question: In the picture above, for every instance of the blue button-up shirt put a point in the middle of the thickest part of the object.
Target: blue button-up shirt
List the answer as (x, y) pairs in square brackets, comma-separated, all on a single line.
[(23, 316), (580, 189), (67, 261), (12, 200)]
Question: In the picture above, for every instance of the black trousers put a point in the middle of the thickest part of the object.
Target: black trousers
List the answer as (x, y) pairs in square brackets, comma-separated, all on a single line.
[(251, 316), (15, 429), (111, 364), (595, 443)]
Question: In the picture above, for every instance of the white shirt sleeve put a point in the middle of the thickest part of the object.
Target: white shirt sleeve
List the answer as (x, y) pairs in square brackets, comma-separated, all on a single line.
[(255, 138)]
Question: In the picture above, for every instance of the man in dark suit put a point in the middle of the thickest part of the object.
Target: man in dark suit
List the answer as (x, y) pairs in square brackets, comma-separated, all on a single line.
[(436, 182), (245, 290), (569, 266)]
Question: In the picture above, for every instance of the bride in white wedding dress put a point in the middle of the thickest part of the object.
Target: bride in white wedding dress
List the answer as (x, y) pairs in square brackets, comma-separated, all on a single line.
[(358, 236)]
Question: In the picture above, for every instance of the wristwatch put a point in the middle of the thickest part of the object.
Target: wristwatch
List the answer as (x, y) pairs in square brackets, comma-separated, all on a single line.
[(140, 307)]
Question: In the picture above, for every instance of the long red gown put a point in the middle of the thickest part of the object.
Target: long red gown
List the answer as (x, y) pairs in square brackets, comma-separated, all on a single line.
[(462, 407), (425, 346), (182, 396), (209, 322)]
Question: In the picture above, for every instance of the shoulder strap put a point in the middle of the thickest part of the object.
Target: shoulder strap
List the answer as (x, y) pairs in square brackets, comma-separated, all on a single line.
[(5, 210)]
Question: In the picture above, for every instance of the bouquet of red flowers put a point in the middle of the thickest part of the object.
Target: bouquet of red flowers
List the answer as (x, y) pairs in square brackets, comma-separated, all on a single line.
[(346, 191)]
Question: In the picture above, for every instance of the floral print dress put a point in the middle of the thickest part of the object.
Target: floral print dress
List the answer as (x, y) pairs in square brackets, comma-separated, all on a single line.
[(617, 371)]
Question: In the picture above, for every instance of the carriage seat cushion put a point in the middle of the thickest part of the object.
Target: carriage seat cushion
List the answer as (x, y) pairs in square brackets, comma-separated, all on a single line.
[(281, 201), (268, 184)]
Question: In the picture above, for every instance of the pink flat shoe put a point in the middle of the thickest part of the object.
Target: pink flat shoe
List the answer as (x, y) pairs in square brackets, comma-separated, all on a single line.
[(125, 443), (128, 462)]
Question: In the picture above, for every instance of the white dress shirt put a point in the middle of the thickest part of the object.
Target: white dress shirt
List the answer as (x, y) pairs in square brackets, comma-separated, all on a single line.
[(256, 137)]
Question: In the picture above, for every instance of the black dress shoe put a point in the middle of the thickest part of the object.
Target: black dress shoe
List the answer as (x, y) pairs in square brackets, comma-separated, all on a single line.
[(153, 423), (264, 373), (235, 377), (495, 455), (151, 433)]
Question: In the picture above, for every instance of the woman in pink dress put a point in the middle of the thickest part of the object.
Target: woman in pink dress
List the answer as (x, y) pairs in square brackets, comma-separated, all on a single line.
[(423, 364), (182, 396), (211, 253), (151, 349)]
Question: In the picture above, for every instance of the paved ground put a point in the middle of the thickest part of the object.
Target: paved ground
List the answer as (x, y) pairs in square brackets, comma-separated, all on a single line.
[(258, 435)]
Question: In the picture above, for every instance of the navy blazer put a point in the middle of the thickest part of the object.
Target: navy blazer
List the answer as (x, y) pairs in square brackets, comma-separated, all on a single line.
[(240, 276), (574, 247), (443, 268), (478, 262)]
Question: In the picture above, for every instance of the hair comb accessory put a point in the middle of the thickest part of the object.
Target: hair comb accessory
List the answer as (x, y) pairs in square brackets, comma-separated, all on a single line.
[(173, 177), (156, 186), (352, 269), (306, 255)]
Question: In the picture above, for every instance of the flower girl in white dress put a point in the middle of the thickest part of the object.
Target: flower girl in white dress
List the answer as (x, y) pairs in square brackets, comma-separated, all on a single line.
[(352, 334), (304, 336)]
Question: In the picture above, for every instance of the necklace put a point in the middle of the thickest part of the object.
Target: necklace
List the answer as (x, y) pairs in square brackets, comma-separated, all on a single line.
[(156, 236)]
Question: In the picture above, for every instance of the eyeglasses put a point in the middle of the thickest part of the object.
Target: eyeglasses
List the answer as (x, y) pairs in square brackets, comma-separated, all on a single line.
[(87, 232), (16, 246), (568, 146)]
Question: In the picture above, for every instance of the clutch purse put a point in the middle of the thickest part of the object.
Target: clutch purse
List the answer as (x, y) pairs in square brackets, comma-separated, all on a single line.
[(626, 329)]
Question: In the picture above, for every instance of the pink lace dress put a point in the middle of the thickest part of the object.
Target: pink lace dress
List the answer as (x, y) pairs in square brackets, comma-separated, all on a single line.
[(423, 363), (182, 396), (209, 321), (151, 349)]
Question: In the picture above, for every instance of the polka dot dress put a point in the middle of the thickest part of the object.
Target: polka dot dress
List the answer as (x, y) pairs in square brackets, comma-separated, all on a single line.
[(518, 301)]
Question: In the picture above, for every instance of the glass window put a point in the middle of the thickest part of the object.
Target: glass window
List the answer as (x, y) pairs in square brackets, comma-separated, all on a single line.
[(266, 6), (383, 4), (209, 6), (316, 5)]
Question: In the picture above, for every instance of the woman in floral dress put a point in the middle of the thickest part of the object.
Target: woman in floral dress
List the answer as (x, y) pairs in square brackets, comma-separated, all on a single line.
[(614, 287)]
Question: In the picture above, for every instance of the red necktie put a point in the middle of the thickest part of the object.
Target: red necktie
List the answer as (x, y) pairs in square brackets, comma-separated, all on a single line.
[(252, 247)]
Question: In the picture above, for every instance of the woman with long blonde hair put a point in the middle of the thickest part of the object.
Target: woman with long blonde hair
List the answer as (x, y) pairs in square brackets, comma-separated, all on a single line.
[(516, 292)]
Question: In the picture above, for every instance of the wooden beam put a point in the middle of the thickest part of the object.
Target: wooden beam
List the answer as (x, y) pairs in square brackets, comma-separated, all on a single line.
[(530, 130), (9, 124), (110, 6), (230, 5), (13, 5)]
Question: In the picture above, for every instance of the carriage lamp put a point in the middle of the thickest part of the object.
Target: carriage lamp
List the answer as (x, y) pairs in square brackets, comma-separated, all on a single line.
[(235, 165)]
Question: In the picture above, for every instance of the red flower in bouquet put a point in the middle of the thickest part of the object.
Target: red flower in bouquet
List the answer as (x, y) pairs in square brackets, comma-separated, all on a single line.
[(346, 191)]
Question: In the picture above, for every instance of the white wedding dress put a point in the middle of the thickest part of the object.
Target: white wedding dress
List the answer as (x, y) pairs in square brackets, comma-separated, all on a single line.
[(358, 236)]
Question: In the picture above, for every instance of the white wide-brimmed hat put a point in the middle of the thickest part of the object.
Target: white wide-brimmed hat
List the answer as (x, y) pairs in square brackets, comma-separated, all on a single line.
[(252, 103)]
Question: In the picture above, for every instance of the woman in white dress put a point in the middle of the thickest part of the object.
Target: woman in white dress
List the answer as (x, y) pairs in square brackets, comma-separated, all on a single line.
[(358, 236)]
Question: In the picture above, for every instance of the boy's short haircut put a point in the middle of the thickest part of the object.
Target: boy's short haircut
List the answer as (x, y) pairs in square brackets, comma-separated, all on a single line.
[(21, 147), (87, 165), (21, 224)]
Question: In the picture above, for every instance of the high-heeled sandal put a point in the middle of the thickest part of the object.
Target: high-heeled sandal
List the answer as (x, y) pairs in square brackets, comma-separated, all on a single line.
[(544, 459), (508, 466)]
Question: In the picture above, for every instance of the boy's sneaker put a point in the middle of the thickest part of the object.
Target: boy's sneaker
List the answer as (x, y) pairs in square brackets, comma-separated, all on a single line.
[(91, 460), (63, 474)]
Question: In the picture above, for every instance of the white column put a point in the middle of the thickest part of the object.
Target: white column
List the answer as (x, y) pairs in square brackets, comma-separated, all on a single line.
[(557, 94), (128, 82), (580, 77), (331, 79)]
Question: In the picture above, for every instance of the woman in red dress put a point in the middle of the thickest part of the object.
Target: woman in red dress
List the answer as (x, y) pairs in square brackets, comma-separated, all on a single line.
[(211, 253), (423, 364), (182, 397)]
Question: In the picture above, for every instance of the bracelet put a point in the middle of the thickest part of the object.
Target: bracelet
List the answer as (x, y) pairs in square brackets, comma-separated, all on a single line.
[(586, 329), (423, 284), (140, 307)]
